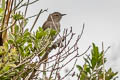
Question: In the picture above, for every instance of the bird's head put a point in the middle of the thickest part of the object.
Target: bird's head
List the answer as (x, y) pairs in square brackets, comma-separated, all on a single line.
[(56, 17)]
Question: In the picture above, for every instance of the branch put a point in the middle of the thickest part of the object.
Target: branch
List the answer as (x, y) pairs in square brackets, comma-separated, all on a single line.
[(8, 27), (40, 12)]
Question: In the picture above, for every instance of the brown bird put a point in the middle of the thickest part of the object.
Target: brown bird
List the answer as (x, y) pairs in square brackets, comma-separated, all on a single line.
[(53, 21)]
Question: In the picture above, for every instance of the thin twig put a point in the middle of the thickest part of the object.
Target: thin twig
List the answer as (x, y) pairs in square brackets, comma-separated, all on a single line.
[(25, 4), (32, 16), (8, 27), (70, 70), (17, 5), (41, 11), (103, 61)]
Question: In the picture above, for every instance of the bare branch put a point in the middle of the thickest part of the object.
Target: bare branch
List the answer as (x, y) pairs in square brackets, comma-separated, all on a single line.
[(41, 11)]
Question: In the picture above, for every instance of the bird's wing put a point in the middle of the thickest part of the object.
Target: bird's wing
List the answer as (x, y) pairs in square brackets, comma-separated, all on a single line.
[(46, 25), (49, 24)]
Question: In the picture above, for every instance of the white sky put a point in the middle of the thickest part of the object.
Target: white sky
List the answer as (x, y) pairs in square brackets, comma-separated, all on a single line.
[(101, 18)]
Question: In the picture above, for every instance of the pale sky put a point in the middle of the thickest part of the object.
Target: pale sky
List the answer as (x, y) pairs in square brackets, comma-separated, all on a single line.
[(101, 18)]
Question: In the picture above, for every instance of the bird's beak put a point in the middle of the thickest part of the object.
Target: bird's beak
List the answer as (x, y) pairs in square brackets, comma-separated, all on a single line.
[(63, 14)]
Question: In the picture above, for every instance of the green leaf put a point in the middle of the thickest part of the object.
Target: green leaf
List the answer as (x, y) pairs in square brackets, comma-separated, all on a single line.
[(2, 53), (110, 74), (25, 22), (40, 29), (19, 40), (10, 41), (79, 67), (27, 53), (41, 54), (6, 68), (1, 10), (16, 29), (3, 4), (40, 34), (52, 32), (26, 34), (28, 46), (93, 62), (87, 61), (83, 76), (21, 50), (18, 17), (6, 46)]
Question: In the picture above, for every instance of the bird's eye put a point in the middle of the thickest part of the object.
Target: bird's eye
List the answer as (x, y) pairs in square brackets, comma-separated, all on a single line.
[(56, 15)]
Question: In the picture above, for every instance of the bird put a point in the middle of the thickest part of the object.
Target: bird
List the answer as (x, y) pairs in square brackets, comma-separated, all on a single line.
[(53, 21)]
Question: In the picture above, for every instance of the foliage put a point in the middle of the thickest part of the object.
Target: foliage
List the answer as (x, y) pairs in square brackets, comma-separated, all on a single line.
[(21, 47), (93, 67), (17, 17), (25, 46)]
